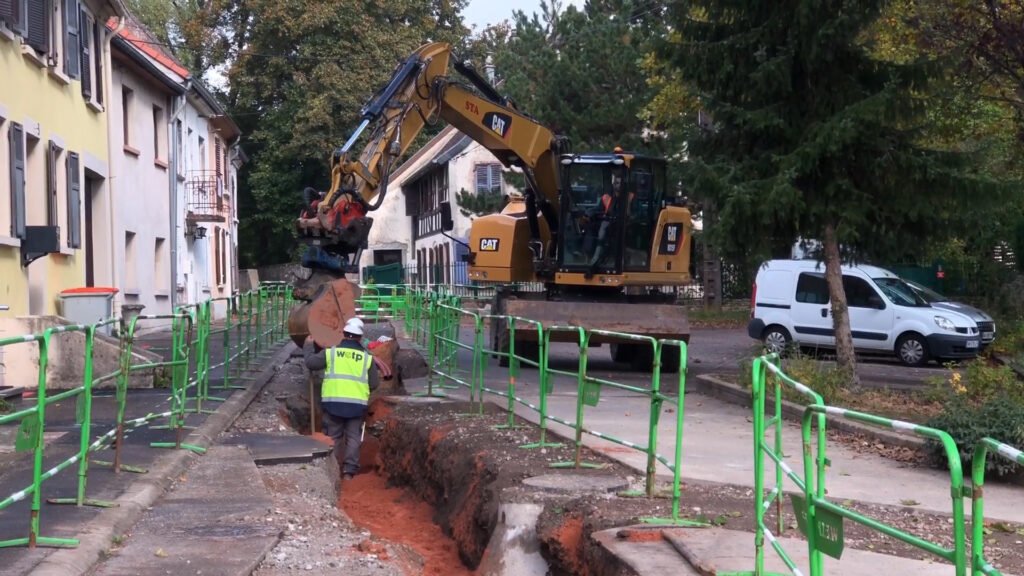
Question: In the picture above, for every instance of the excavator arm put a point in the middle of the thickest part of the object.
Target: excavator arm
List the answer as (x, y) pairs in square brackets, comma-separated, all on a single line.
[(419, 93)]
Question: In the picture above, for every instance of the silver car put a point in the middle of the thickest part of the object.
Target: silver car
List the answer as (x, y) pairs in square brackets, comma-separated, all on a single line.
[(986, 325)]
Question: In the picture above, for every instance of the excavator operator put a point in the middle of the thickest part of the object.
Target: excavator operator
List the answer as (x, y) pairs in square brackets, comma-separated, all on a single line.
[(609, 217)]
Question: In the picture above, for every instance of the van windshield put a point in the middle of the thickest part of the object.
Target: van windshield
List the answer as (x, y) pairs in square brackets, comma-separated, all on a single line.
[(927, 293), (900, 293)]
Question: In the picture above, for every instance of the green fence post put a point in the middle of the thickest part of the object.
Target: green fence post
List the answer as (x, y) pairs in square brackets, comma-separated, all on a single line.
[(979, 565), (581, 383), (85, 432), (544, 351)]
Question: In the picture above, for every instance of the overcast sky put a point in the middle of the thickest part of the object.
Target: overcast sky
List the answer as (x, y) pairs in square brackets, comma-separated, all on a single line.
[(485, 12)]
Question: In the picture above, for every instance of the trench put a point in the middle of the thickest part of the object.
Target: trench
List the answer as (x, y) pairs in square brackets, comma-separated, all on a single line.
[(395, 514)]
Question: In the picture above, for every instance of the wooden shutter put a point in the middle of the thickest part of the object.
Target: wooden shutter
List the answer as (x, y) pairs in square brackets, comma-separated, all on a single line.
[(8, 12), (72, 40), (217, 151), (74, 202), (51, 183), (482, 177), (86, 52), (16, 135), (97, 34), (18, 16), (38, 31), (495, 177)]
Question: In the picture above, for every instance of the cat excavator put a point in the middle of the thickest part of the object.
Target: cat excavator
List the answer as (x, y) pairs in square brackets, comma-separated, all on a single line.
[(600, 231)]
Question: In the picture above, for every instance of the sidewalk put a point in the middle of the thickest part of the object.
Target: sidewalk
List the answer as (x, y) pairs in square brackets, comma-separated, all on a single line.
[(134, 492)]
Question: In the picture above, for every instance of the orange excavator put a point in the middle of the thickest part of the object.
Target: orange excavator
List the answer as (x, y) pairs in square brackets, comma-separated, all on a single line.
[(600, 231)]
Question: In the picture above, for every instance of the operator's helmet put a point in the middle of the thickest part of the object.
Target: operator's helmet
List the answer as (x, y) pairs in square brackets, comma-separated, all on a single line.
[(354, 326)]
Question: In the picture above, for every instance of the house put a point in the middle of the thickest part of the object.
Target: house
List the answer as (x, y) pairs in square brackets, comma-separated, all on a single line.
[(407, 226), (149, 90), (177, 234), (54, 145), (208, 265)]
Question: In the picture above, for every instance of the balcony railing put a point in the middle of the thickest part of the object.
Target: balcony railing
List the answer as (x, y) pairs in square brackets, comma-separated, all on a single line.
[(205, 194)]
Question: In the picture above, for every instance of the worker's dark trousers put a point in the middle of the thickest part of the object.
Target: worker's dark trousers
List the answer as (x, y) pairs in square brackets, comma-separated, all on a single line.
[(347, 436)]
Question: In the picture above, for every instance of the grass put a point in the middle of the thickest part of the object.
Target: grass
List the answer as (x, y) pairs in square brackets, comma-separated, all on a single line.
[(5, 406), (726, 318)]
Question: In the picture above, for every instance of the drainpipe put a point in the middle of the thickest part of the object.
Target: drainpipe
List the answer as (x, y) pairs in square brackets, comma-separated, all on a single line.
[(108, 84), (173, 189)]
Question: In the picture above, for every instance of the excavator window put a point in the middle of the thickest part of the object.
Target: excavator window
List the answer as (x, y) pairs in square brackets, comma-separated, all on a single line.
[(647, 179), (594, 211)]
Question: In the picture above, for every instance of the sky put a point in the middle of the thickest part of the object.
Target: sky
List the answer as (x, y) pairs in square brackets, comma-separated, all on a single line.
[(485, 12)]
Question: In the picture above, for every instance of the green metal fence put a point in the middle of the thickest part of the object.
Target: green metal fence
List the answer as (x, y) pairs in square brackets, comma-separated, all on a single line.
[(452, 338), (979, 565), (256, 318)]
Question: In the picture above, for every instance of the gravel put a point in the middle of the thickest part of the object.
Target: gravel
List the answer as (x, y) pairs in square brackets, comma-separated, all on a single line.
[(316, 537)]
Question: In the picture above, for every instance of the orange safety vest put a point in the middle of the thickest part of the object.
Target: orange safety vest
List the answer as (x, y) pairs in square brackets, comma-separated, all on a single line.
[(606, 201)]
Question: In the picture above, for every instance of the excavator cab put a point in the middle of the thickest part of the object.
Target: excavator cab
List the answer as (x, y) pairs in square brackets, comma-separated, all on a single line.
[(610, 208)]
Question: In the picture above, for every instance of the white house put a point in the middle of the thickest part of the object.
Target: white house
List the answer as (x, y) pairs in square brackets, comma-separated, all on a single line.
[(147, 89), (407, 226)]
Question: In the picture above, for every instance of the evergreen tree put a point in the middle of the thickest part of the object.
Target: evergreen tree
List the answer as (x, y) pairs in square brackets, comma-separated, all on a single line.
[(812, 136)]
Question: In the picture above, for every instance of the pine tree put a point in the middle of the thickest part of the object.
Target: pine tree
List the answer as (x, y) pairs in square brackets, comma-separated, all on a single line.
[(812, 136)]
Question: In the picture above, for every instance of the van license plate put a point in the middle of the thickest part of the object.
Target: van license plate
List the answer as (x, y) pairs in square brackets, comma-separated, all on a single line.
[(972, 343), (987, 335)]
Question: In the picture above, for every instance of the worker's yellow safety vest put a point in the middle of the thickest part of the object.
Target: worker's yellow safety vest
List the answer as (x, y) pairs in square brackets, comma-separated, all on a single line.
[(347, 377)]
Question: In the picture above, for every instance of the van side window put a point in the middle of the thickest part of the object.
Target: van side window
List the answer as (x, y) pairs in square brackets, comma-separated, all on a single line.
[(811, 289), (858, 292)]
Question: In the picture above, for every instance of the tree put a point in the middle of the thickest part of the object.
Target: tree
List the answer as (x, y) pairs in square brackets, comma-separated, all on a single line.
[(299, 72), (812, 135), (580, 71)]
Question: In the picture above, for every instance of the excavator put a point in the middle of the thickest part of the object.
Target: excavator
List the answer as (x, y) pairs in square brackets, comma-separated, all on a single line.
[(599, 230)]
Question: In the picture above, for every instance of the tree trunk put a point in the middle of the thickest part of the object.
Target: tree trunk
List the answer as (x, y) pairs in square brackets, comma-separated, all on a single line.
[(845, 356)]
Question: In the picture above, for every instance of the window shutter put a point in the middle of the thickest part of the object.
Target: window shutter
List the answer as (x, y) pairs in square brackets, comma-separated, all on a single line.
[(97, 35), (86, 44), (18, 17), (37, 30), (482, 176), (7, 12), (17, 147), (495, 178), (72, 40), (218, 150), (74, 202), (51, 184)]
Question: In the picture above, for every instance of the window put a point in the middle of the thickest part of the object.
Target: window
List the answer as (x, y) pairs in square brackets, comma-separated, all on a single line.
[(72, 49), (12, 13), (159, 136), (131, 284), (89, 52), (859, 293), (488, 178), (53, 154), (74, 200), (223, 257), (202, 153), (159, 265), (812, 289), (16, 147), (127, 99), (37, 25)]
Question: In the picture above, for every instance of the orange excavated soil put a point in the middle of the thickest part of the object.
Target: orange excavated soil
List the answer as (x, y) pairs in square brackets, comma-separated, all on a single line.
[(397, 515)]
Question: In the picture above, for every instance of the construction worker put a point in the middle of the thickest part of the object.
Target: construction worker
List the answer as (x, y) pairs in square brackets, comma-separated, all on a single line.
[(350, 373), (608, 215)]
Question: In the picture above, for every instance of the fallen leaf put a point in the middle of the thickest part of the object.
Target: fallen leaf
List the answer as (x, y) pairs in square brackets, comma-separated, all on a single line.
[(160, 553), (909, 502)]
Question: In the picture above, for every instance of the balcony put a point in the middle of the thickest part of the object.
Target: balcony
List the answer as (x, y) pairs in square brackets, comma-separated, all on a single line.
[(204, 191)]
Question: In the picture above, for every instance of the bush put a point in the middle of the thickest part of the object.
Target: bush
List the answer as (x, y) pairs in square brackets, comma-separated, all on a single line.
[(1000, 417), (5, 406)]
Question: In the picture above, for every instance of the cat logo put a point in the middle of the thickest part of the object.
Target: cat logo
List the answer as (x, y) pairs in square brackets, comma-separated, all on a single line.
[(488, 244), (498, 123)]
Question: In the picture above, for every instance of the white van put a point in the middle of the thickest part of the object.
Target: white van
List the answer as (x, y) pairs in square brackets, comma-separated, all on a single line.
[(791, 305)]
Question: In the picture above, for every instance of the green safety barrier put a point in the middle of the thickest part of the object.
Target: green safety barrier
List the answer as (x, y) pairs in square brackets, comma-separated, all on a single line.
[(821, 520), (979, 565), (259, 322), (762, 423), (439, 314)]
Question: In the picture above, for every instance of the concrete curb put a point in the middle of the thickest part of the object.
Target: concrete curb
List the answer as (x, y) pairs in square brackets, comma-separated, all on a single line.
[(143, 493), (710, 385)]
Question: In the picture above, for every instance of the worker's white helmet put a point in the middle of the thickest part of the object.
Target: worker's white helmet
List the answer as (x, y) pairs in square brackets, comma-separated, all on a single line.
[(354, 326)]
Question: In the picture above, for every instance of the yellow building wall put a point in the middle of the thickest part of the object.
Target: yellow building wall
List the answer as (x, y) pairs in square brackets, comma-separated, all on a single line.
[(34, 97)]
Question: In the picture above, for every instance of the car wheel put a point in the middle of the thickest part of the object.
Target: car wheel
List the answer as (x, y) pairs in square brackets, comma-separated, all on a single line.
[(912, 350), (776, 339)]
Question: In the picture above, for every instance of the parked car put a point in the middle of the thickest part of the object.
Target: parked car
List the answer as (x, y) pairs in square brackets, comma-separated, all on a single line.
[(791, 305), (985, 323)]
